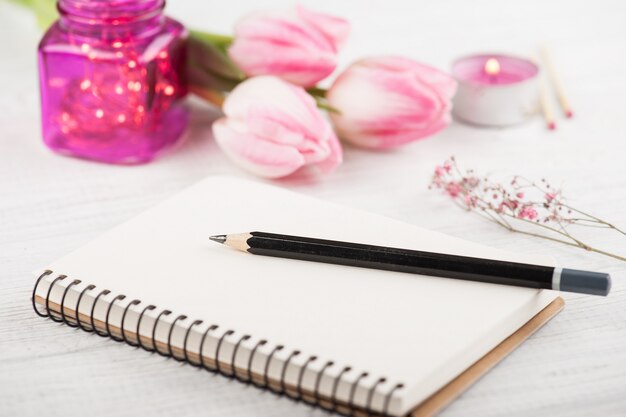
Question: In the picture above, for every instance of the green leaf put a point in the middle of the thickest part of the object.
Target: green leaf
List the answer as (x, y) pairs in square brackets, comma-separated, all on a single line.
[(220, 41), (325, 106), (210, 52), (45, 11), (317, 92), (208, 80)]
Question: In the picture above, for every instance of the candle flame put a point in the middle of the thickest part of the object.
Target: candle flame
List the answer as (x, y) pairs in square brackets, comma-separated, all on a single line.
[(492, 66)]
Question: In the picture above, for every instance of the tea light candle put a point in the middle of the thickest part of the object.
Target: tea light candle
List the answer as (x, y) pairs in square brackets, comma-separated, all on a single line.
[(495, 90)]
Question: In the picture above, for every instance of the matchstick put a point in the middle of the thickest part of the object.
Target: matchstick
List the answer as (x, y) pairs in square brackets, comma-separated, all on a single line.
[(544, 99), (556, 82), (546, 107)]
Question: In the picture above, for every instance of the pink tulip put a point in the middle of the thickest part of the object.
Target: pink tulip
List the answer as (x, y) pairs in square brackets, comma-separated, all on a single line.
[(297, 45), (273, 128), (388, 101)]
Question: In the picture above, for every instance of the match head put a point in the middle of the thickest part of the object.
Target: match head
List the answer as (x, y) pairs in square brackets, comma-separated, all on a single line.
[(569, 114), (551, 125)]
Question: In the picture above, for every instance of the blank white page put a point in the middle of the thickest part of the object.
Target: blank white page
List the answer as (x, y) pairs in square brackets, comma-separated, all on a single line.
[(411, 329)]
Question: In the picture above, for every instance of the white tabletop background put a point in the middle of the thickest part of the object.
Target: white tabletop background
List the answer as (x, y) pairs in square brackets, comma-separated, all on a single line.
[(574, 366)]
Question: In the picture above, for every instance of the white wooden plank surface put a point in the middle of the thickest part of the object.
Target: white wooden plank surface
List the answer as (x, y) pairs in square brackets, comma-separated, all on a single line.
[(575, 366)]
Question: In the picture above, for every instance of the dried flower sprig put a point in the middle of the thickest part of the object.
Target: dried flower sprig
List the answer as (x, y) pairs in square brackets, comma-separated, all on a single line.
[(519, 202)]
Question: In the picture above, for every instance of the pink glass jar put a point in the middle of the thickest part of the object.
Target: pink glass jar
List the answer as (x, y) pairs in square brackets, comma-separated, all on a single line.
[(112, 80)]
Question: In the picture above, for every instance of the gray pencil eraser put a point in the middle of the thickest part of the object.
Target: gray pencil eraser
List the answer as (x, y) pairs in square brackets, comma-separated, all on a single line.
[(586, 282)]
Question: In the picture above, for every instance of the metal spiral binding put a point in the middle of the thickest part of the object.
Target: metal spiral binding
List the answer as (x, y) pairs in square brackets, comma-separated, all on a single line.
[(282, 390)]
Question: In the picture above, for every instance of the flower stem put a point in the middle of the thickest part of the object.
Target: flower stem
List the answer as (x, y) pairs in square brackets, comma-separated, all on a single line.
[(213, 38), (578, 244), (325, 106), (539, 205), (211, 96), (595, 218), (317, 92)]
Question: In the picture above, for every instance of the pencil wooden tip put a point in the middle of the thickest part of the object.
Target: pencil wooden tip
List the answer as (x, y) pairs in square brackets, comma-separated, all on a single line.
[(218, 238)]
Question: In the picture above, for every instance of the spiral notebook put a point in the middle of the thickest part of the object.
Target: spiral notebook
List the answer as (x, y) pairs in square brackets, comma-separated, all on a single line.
[(352, 340)]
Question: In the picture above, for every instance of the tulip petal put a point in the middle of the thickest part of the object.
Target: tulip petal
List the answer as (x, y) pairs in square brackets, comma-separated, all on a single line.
[(272, 128), (335, 157), (279, 102), (297, 45), (280, 128), (333, 27), (386, 102), (427, 74), (283, 28), (293, 64), (262, 158)]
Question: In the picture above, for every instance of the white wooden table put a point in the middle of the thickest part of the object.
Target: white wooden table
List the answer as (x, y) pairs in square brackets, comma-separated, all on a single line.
[(575, 366)]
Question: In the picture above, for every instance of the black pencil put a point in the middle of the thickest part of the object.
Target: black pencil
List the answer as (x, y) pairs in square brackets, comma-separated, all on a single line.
[(419, 262)]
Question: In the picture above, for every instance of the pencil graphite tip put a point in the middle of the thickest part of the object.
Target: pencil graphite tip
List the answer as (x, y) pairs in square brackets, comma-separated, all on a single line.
[(218, 238)]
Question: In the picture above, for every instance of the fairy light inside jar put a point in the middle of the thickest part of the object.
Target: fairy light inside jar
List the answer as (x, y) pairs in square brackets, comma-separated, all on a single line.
[(113, 80)]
